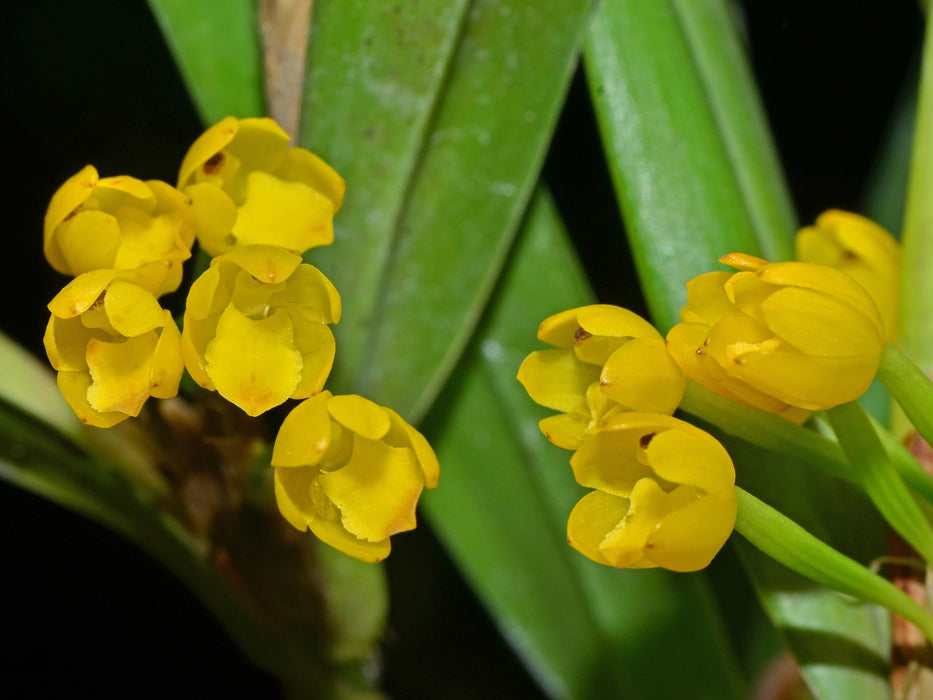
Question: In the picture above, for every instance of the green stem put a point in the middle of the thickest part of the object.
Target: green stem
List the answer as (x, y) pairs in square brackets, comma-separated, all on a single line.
[(789, 544), (874, 471), (780, 436), (910, 387)]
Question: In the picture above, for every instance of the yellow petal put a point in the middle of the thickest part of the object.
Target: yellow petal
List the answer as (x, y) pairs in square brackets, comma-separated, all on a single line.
[(120, 191), (688, 538), (625, 544), (743, 261), (360, 415), (608, 461), (120, 373), (316, 344), (595, 515), (823, 279), (214, 215), (293, 495), (642, 376), (305, 434), (74, 387), (167, 363), (253, 363), (66, 342), (608, 320), (208, 144), (89, 240), (203, 297), (377, 490), (81, 293), (818, 324), (565, 430), (287, 214), (260, 144), (71, 195), (132, 310), (268, 264), (309, 290), (192, 352), (707, 301), (402, 434), (300, 165), (684, 458), (812, 383), (334, 534), (557, 379)]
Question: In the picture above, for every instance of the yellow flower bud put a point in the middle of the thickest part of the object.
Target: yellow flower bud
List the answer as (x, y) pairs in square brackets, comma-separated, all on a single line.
[(352, 472), (607, 359), (255, 327), (248, 187), (779, 335), (665, 494), (121, 223), (113, 346), (864, 251)]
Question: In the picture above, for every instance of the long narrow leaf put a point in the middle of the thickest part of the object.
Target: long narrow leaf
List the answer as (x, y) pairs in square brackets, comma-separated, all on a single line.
[(440, 119)]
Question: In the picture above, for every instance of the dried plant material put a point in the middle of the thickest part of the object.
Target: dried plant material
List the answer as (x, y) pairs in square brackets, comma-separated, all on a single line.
[(283, 29)]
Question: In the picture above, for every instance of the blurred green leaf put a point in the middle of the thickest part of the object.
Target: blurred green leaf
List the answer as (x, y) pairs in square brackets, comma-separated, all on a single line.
[(916, 331), (585, 630), (438, 115), (216, 47), (685, 139)]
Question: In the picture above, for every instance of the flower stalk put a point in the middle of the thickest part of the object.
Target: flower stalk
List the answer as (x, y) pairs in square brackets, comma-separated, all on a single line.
[(789, 544)]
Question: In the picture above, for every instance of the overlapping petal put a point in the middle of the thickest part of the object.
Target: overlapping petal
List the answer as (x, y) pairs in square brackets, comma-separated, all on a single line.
[(352, 472)]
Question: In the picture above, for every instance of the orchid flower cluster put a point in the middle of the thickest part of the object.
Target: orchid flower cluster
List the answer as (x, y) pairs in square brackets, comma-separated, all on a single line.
[(256, 325), (788, 338)]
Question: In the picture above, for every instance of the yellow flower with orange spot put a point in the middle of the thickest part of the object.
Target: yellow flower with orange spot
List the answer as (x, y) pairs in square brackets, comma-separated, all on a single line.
[(112, 345), (664, 494), (95, 223), (247, 186), (255, 327), (352, 472), (606, 359)]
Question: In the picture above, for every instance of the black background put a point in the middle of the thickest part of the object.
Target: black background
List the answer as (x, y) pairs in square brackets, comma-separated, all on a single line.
[(82, 611)]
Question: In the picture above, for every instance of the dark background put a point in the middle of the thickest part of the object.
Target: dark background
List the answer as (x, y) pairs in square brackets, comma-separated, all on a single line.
[(93, 82)]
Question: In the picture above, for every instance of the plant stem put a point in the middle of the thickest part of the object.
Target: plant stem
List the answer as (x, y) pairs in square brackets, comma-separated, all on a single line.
[(789, 544)]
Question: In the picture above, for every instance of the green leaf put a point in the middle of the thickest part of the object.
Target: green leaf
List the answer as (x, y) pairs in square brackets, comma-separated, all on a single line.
[(585, 630), (684, 143), (216, 47), (438, 115), (687, 146), (916, 331)]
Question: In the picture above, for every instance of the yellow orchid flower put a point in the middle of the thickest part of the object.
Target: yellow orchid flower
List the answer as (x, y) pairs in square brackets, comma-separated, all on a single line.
[(352, 472), (664, 494), (95, 223), (607, 359), (864, 251), (779, 335), (255, 327), (248, 187), (112, 345)]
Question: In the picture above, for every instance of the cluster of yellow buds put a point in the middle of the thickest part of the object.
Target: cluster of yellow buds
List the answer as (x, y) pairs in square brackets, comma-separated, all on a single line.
[(256, 322), (788, 338)]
